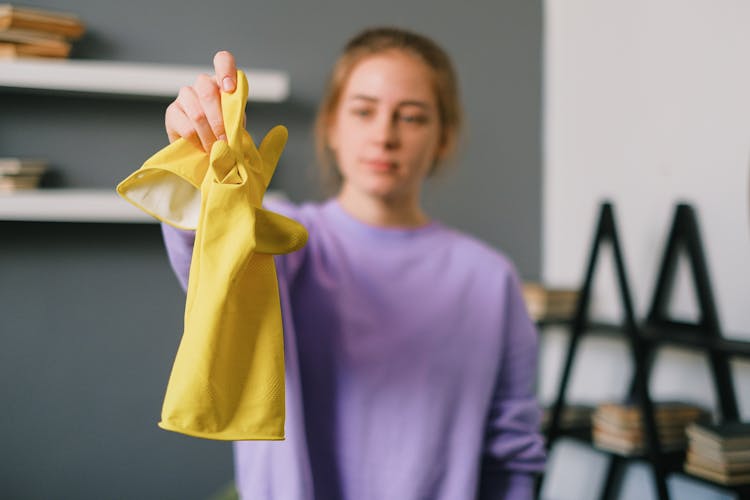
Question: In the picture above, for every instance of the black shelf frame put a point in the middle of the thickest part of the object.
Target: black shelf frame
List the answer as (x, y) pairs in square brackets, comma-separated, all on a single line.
[(705, 334), (644, 339)]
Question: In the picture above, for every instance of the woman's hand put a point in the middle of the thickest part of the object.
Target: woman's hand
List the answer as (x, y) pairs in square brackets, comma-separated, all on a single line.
[(196, 113)]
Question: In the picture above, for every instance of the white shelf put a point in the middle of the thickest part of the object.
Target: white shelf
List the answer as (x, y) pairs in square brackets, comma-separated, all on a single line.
[(133, 79), (78, 205), (69, 205)]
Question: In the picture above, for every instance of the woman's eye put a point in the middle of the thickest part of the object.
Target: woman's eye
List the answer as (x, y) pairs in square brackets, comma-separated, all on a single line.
[(419, 119), (361, 112)]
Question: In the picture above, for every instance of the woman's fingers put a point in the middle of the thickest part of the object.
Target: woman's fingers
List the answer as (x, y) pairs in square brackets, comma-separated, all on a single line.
[(196, 113), (210, 100), (191, 106), (179, 125), (225, 69)]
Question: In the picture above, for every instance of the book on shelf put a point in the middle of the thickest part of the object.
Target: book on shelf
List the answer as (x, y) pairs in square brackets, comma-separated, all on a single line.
[(22, 166), (722, 465), (668, 434), (17, 183), (549, 303), (724, 436), (665, 413), (36, 33), (720, 456), (25, 39), (625, 446), (619, 427), (719, 452), (20, 174), (41, 20), (729, 479), (616, 444), (10, 50), (572, 416)]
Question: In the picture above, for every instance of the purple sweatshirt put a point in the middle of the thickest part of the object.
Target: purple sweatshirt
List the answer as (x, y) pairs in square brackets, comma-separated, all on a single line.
[(410, 367)]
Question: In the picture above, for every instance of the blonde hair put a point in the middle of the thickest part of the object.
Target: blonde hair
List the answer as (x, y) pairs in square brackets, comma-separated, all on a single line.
[(375, 41)]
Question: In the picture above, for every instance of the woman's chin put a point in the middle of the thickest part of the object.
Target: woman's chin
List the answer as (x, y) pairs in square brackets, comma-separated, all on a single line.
[(385, 187), (385, 190)]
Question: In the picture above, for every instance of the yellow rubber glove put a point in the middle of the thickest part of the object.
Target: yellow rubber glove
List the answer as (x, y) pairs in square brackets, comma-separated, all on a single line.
[(227, 381)]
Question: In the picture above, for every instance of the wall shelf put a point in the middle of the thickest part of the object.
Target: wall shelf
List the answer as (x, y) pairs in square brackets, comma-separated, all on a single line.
[(110, 78), (78, 205), (127, 79), (69, 205)]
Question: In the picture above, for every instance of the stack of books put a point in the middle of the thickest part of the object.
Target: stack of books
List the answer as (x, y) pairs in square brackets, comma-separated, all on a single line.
[(545, 303), (720, 453), (18, 173), (619, 427), (574, 416), (26, 32)]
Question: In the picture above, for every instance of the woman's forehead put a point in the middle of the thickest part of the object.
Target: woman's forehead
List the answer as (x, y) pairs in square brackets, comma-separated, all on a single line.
[(392, 75)]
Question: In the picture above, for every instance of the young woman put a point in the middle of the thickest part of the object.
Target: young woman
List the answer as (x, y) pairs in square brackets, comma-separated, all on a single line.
[(410, 358)]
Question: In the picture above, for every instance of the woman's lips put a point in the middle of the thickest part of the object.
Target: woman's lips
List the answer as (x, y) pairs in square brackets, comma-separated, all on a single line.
[(381, 165)]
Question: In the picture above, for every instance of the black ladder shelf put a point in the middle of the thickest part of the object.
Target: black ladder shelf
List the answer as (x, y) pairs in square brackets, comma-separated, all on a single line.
[(705, 334), (643, 340)]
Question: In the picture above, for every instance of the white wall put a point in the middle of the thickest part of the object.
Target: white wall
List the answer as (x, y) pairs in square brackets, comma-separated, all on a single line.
[(647, 102)]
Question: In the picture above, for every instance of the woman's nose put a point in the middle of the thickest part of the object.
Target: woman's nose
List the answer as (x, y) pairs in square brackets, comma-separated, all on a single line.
[(385, 132)]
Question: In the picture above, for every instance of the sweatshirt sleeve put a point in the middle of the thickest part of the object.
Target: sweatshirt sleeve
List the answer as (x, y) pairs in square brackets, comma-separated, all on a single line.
[(179, 244), (514, 448)]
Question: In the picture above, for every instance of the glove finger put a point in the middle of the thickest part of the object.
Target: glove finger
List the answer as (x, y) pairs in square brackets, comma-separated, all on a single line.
[(273, 145)]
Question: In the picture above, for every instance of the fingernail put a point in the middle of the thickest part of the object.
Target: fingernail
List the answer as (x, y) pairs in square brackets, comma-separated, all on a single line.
[(228, 84)]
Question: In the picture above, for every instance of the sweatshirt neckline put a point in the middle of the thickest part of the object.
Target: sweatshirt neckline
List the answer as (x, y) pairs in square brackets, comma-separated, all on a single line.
[(336, 210)]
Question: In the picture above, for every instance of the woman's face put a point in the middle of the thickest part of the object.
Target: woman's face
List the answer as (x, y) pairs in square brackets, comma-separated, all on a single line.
[(386, 133)]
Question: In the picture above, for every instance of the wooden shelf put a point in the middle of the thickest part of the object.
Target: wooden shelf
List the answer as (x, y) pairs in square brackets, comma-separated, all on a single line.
[(127, 79)]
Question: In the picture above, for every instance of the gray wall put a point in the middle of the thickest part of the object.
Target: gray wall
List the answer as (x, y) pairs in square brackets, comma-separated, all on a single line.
[(91, 314)]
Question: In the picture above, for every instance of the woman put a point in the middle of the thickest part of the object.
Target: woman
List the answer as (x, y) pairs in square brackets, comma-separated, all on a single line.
[(410, 359)]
